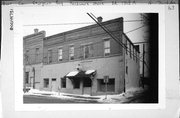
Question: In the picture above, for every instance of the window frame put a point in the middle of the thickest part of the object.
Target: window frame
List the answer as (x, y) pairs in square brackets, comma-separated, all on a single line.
[(63, 82), (89, 48), (71, 54), (37, 53), (130, 53), (60, 59), (50, 55), (46, 85), (27, 56), (107, 48)]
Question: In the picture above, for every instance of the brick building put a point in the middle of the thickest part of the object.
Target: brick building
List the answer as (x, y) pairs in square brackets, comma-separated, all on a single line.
[(77, 61), (33, 58)]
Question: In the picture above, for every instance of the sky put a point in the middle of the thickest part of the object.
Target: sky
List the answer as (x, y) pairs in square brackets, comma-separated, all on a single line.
[(58, 20)]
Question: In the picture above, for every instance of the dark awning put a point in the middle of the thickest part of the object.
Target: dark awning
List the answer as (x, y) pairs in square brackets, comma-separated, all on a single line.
[(72, 74), (76, 74), (90, 72)]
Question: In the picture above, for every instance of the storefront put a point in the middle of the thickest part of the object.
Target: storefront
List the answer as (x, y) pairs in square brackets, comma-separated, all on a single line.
[(82, 78)]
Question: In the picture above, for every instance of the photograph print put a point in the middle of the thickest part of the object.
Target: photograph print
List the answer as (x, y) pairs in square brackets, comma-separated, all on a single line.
[(90, 58)]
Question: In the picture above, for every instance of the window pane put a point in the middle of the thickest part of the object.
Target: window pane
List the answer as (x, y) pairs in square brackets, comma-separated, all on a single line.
[(46, 83), (106, 47), (107, 44), (49, 56), (60, 54), (71, 53), (63, 83), (86, 51)]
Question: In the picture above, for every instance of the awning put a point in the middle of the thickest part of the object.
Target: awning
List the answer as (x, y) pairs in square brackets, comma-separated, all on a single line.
[(75, 74), (72, 74), (90, 72)]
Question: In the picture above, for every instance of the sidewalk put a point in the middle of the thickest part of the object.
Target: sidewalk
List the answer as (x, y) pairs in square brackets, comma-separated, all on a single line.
[(117, 98)]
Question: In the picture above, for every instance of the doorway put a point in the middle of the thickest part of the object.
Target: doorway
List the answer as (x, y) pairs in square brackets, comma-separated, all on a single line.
[(53, 85)]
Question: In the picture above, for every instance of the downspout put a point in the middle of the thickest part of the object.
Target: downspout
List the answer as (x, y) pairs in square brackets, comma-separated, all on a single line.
[(33, 77)]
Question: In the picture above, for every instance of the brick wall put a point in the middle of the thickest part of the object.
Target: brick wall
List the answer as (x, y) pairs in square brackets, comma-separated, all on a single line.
[(31, 44), (93, 35)]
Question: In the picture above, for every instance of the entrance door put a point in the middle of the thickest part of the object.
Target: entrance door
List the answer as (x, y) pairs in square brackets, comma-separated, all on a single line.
[(87, 86), (53, 85)]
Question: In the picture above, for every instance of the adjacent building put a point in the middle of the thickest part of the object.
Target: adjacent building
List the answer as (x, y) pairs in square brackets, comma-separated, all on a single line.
[(86, 60)]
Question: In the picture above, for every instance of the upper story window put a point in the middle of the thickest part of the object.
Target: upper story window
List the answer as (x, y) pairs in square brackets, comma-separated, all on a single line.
[(71, 52), (27, 57), (37, 55), (130, 49), (106, 47), (126, 43), (88, 50), (60, 54), (49, 56), (134, 54)]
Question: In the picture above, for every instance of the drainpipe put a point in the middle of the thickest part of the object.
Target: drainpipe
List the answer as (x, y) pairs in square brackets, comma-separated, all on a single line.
[(33, 77)]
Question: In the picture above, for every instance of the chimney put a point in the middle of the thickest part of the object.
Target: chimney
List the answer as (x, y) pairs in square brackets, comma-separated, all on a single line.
[(99, 19), (36, 30)]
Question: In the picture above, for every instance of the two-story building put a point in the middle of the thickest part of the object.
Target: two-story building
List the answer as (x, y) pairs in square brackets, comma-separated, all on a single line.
[(88, 60), (33, 58)]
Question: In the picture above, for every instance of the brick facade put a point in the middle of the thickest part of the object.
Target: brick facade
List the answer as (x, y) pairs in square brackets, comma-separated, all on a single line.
[(91, 48)]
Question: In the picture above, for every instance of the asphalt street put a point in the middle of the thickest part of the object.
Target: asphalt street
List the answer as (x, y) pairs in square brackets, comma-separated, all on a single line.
[(49, 100)]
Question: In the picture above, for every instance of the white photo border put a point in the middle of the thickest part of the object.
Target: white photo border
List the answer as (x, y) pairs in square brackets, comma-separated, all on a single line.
[(18, 59)]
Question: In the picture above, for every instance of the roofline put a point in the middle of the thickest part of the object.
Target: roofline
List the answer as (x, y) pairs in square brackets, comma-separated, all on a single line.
[(130, 41), (34, 34), (85, 27)]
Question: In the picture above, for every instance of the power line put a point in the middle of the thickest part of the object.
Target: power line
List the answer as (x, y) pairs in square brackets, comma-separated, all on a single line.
[(123, 45), (139, 42), (135, 29), (107, 31), (78, 23)]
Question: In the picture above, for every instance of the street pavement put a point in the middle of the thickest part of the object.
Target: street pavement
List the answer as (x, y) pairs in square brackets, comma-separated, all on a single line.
[(131, 96), (49, 99)]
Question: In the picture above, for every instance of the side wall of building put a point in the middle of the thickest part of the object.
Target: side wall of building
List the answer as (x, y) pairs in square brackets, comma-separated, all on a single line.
[(132, 65)]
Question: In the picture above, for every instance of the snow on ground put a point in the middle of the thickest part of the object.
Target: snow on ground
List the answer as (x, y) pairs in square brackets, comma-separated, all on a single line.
[(117, 98)]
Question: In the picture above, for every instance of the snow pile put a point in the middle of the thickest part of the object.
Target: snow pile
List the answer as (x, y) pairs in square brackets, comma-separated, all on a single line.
[(117, 98), (36, 91)]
